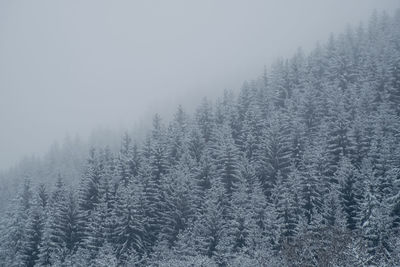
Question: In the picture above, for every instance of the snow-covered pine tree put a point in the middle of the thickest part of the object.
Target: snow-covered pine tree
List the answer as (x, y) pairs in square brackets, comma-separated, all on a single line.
[(374, 219), (177, 136), (226, 157), (15, 231), (274, 154), (130, 230), (349, 192), (125, 168)]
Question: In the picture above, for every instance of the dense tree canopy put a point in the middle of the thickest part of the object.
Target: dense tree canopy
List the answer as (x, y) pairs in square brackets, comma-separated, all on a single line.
[(302, 168)]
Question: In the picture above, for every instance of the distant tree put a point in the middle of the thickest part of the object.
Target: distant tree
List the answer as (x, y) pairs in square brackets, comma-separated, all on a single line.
[(126, 166), (205, 119), (177, 136)]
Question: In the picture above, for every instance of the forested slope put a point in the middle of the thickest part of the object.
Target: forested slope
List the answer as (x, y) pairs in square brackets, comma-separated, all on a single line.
[(301, 168)]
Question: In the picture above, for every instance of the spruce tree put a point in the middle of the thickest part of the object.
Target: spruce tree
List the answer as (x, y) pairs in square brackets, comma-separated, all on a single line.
[(274, 154), (349, 192)]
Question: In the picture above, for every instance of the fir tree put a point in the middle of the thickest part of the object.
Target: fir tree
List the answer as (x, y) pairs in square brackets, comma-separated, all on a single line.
[(349, 194), (274, 154)]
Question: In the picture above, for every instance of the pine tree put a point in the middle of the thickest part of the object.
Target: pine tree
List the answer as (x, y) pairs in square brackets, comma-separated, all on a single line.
[(311, 190), (130, 231), (177, 136), (286, 204), (205, 119), (338, 135), (42, 196), (394, 200), (280, 83), (61, 233), (16, 230), (374, 218), (34, 231), (349, 194), (332, 212), (251, 132), (152, 172), (240, 219), (52, 241), (227, 158), (158, 154), (125, 165), (183, 201), (360, 136), (89, 188), (274, 154), (69, 221), (208, 229), (99, 223), (206, 171), (196, 143)]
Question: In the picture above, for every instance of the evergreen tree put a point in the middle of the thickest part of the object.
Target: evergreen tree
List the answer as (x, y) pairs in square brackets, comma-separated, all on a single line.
[(227, 158), (34, 232), (274, 154), (287, 210), (126, 166), (182, 199), (205, 119), (89, 188), (130, 230), (338, 135), (207, 231), (61, 233), (177, 136), (374, 219), (158, 153), (349, 192), (394, 200), (311, 190), (15, 231)]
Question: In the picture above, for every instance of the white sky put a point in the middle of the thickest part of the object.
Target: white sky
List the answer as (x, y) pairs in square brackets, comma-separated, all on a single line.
[(70, 66)]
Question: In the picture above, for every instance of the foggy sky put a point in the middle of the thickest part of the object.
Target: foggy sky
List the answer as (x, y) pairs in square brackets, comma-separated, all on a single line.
[(70, 66)]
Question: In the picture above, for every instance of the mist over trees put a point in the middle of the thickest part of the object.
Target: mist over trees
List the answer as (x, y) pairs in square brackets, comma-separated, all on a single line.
[(301, 168)]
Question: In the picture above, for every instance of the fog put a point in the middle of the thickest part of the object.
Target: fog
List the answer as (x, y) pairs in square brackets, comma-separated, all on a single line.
[(67, 67)]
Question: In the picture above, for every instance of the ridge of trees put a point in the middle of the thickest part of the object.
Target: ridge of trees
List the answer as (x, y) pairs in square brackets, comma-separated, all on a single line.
[(302, 168)]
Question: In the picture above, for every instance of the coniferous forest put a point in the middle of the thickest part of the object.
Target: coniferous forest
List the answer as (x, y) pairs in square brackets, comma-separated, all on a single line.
[(300, 168)]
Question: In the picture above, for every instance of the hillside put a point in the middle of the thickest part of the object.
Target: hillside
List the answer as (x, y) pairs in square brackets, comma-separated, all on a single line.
[(301, 168)]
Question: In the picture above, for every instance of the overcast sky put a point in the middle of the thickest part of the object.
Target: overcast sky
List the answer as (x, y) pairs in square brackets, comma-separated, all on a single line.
[(71, 66)]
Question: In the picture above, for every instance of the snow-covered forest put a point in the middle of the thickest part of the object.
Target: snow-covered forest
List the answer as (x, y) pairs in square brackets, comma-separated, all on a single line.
[(300, 168)]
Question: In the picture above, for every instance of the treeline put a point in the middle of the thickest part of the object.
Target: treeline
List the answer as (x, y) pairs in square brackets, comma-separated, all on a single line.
[(302, 168)]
